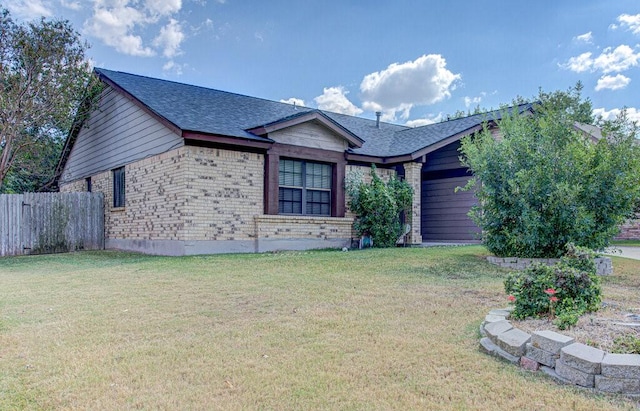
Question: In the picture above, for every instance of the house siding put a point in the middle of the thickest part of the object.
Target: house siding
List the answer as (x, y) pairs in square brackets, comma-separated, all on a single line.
[(279, 232), (120, 132), (310, 135), (196, 200), (443, 214), (224, 192)]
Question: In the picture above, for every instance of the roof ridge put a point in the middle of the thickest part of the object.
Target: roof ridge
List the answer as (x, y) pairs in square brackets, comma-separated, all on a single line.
[(106, 71)]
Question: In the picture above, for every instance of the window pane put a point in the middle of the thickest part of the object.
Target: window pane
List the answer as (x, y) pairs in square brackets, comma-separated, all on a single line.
[(318, 175), (290, 201), (118, 187), (290, 173), (318, 202)]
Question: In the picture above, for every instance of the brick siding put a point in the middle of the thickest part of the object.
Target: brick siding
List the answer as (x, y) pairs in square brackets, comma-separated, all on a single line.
[(630, 230)]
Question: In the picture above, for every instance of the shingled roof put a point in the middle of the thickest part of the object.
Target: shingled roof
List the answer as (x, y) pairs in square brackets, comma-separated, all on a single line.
[(193, 109)]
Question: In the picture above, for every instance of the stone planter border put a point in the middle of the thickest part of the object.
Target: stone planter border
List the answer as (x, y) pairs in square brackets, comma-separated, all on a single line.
[(560, 357), (604, 266)]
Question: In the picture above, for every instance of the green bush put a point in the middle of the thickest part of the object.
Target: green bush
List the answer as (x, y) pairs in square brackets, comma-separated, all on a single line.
[(378, 206), (563, 291), (544, 183)]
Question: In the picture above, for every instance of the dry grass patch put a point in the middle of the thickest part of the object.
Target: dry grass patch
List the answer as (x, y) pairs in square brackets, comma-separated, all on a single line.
[(374, 329)]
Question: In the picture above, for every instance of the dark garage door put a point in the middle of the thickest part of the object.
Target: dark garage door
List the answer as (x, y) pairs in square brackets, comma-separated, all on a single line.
[(444, 212)]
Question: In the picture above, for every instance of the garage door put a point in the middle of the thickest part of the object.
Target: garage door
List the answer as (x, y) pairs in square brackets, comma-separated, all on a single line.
[(444, 212)]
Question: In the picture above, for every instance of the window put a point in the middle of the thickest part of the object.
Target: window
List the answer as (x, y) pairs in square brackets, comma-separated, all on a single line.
[(118, 187), (304, 187), (89, 185)]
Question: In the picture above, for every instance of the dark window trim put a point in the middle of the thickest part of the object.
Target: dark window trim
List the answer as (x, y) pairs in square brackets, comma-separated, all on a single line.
[(272, 165)]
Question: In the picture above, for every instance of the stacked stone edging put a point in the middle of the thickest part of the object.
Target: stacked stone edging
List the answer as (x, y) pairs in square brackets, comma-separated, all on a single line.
[(604, 266), (560, 356)]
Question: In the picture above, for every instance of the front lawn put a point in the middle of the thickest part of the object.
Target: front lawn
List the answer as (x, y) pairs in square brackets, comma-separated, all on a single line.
[(358, 330), (626, 243)]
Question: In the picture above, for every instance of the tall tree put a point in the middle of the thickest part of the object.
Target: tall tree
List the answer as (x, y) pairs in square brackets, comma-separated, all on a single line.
[(43, 75)]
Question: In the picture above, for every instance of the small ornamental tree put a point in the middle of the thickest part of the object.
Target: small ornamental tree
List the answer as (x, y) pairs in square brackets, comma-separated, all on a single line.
[(544, 184), (378, 206)]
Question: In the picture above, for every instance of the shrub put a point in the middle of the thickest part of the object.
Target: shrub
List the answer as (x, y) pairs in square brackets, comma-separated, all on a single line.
[(564, 291), (378, 205), (544, 183)]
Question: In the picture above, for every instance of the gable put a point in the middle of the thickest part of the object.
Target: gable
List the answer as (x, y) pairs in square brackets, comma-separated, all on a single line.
[(310, 134), (117, 133)]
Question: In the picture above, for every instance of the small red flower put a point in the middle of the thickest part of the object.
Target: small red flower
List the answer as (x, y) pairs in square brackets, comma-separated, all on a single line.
[(553, 299), (511, 298), (550, 291)]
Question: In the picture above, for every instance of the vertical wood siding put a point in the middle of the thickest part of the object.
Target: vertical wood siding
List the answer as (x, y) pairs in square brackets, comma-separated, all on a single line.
[(443, 210), (43, 223)]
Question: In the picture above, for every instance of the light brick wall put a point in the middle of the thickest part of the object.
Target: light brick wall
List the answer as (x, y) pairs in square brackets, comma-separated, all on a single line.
[(281, 227), (154, 199), (413, 176), (74, 187), (196, 194), (224, 192)]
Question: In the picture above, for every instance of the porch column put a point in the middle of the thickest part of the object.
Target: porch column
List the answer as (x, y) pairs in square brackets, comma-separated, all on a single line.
[(412, 175)]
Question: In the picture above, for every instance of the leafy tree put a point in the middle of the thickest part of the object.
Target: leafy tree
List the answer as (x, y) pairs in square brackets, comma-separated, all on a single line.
[(378, 206), (545, 184), (43, 74)]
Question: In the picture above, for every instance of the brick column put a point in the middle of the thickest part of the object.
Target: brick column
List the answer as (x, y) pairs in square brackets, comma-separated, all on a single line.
[(412, 175)]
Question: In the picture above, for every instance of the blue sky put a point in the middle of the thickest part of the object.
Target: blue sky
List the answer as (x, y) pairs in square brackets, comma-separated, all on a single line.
[(416, 61)]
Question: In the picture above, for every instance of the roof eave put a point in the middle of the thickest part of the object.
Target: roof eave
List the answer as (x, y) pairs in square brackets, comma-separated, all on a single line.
[(416, 155), (226, 140)]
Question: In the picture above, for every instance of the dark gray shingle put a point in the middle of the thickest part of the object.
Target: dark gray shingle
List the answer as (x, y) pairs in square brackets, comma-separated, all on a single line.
[(209, 111)]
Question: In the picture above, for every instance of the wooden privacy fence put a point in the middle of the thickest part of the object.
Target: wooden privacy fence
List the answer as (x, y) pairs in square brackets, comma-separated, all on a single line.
[(42, 223)]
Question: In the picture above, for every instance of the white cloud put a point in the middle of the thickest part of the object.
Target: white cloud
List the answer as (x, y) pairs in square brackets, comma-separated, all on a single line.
[(468, 101), (579, 64), (633, 114), (400, 86), (170, 38), (121, 24), (585, 38), (335, 99), (114, 26), (619, 59), (612, 83), (163, 7), (430, 119), (294, 101), (71, 5), (632, 22), (172, 66), (30, 9)]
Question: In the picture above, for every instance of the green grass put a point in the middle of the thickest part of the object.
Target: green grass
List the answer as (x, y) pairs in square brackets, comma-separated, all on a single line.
[(627, 243), (358, 330)]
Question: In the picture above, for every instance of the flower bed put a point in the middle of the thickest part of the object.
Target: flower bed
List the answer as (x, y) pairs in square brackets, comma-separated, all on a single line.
[(560, 357)]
